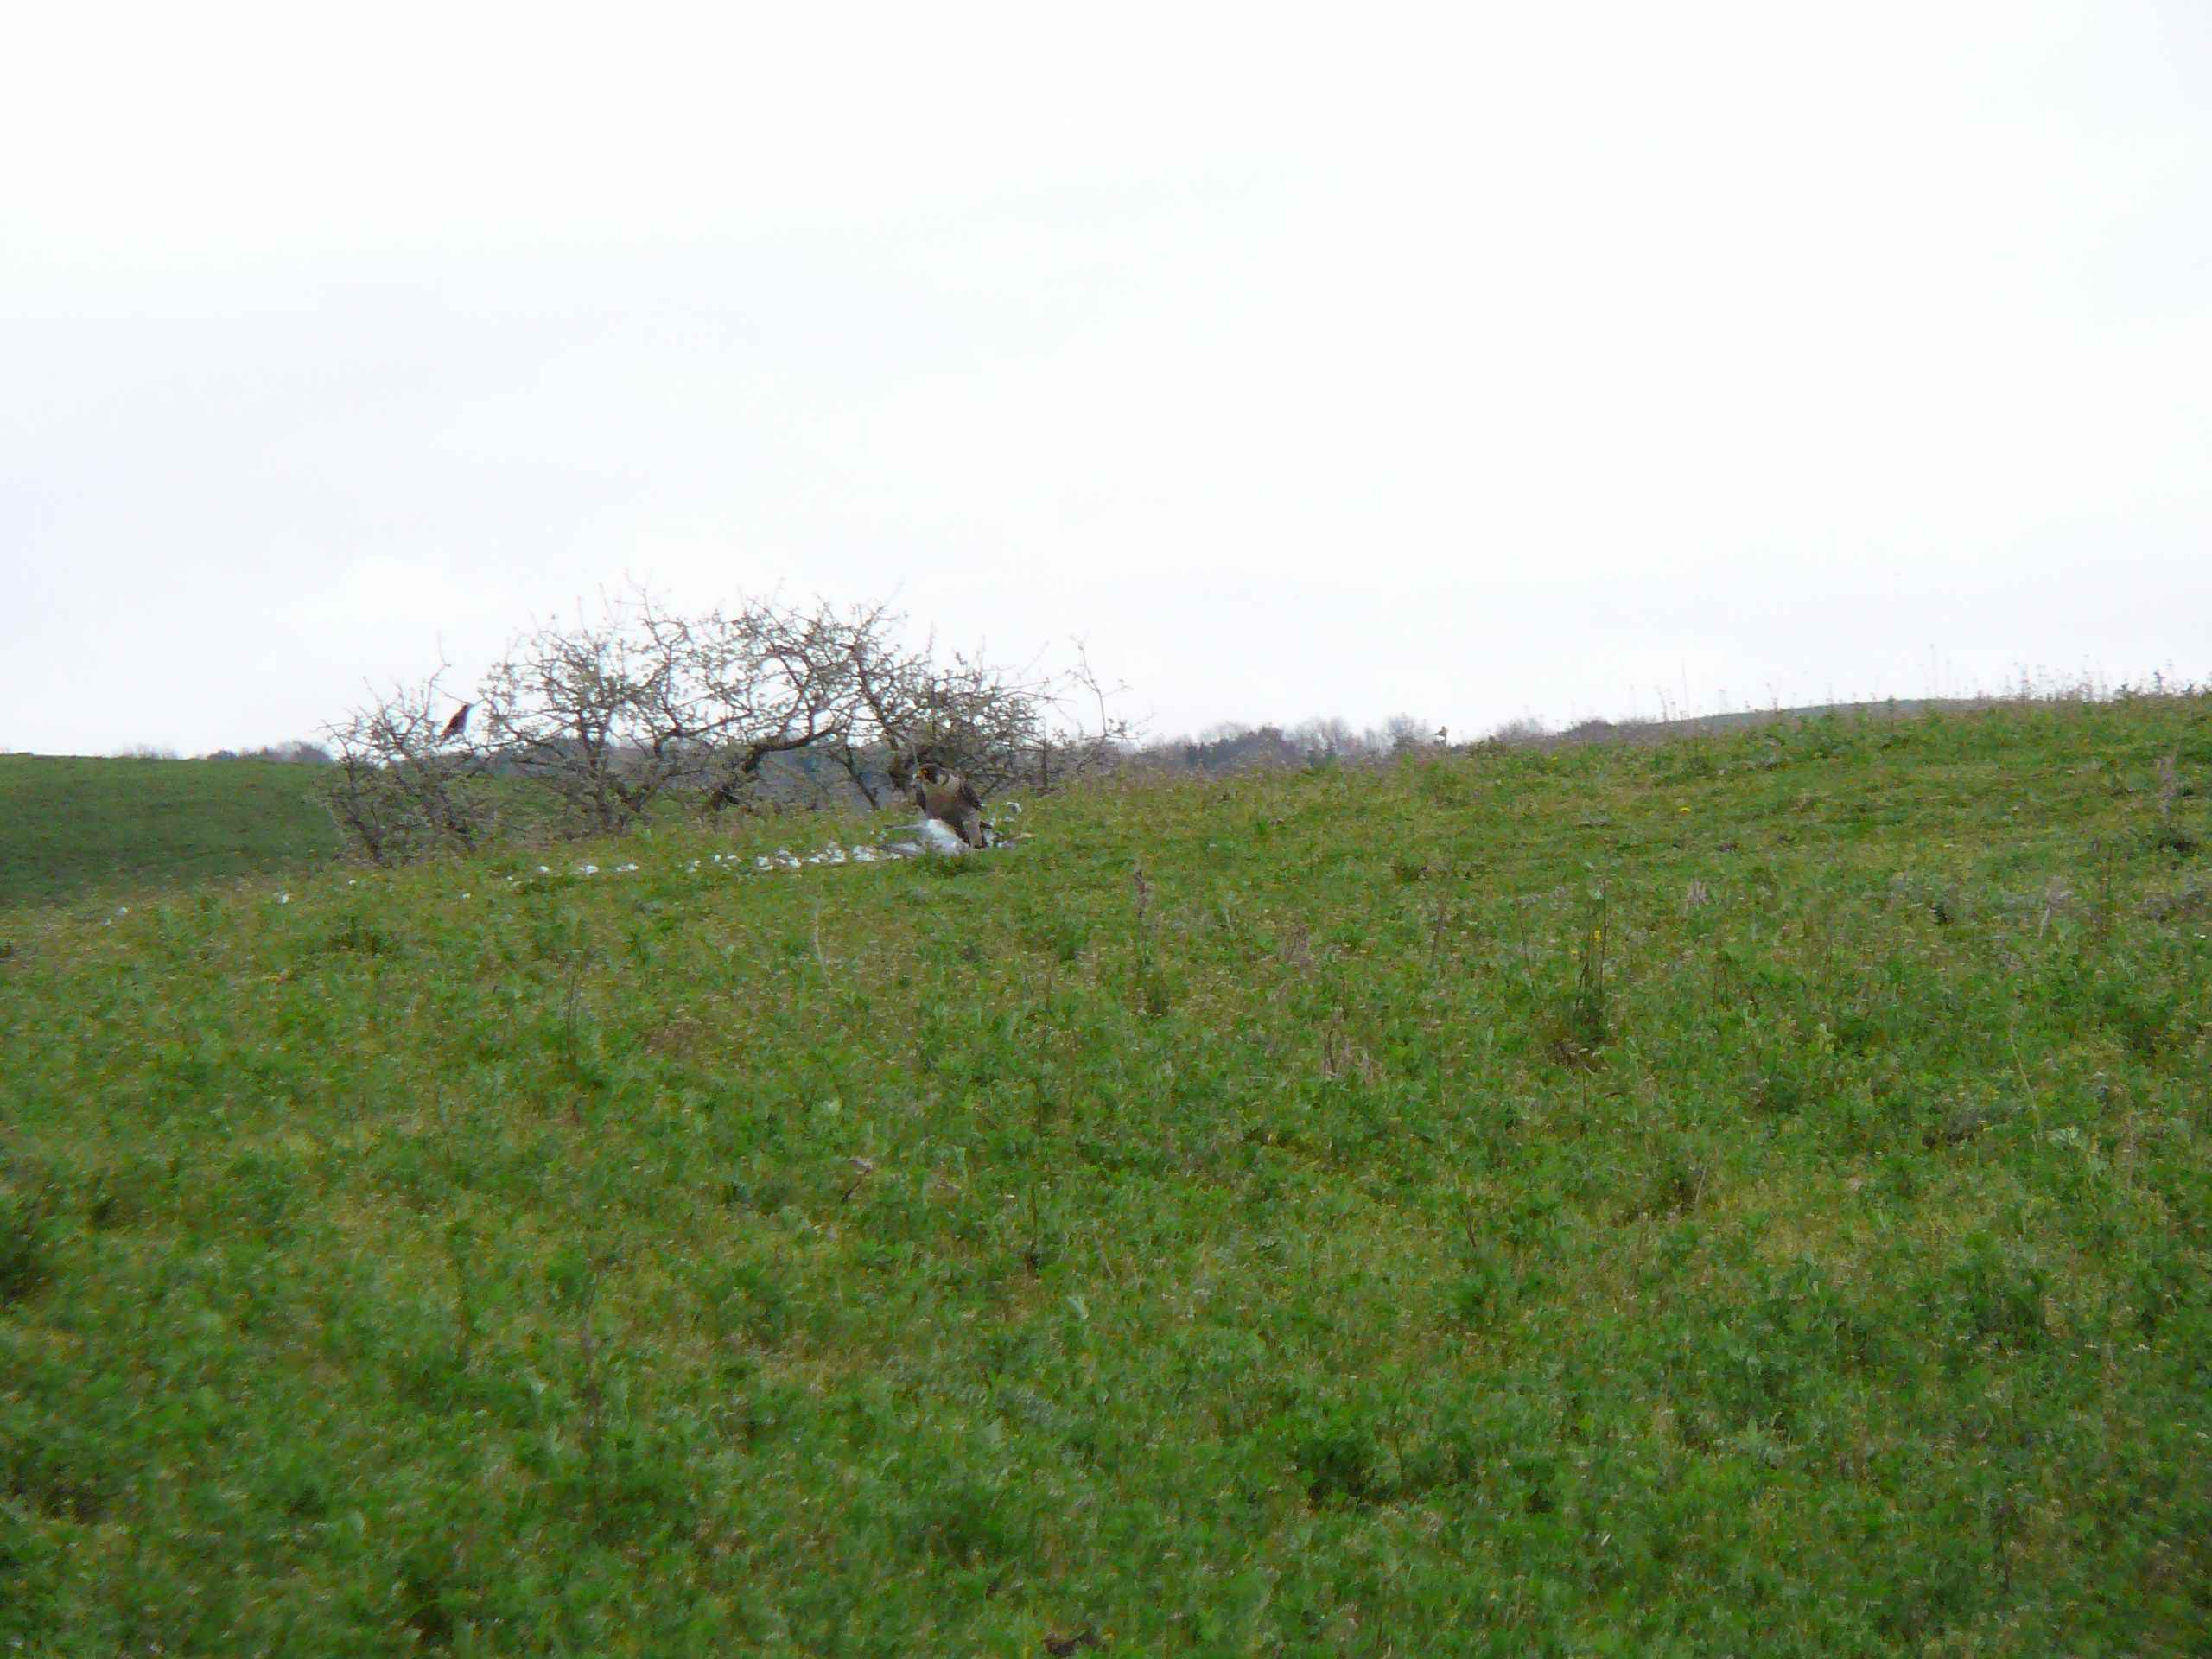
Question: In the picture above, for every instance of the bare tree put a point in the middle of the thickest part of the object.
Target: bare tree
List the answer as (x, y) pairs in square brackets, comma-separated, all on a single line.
[(1090, 736), (579, 708), (395, 790), (1327, 737), (998, 727), (1404, 734), (749, 683), (612, 712)]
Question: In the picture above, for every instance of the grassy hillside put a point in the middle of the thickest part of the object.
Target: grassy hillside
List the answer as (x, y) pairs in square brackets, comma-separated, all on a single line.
[(1752, 1195), (72, 828)]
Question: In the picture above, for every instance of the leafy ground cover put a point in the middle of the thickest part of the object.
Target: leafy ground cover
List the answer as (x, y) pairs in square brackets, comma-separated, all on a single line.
[(1748, 1195), (74, 827)]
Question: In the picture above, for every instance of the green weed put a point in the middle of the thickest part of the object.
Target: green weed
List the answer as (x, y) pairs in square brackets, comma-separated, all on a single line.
[(1746, 1196)]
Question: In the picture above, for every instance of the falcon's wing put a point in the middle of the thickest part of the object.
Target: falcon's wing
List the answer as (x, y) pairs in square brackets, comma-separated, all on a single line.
[(969, 796)]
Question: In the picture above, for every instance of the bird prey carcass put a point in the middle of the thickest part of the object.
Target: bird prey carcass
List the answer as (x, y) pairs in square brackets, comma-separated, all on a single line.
[(952, 798)]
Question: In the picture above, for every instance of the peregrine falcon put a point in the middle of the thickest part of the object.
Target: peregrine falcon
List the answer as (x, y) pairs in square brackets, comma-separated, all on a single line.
[(947, 796)]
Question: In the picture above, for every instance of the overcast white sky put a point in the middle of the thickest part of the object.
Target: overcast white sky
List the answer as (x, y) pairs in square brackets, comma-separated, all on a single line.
[(1474, 361)]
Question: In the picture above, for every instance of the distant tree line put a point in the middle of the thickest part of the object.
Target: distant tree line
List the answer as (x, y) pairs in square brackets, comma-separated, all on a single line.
[(1322, 741), (298, 752), (587, 727), (1328, 741)]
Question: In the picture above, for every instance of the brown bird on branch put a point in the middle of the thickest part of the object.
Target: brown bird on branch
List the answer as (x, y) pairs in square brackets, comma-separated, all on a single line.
[(949, 796), (458, 724)]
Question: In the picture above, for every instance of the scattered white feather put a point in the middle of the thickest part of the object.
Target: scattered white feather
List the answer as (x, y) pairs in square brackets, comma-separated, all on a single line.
[(286, 897), (587, 869)]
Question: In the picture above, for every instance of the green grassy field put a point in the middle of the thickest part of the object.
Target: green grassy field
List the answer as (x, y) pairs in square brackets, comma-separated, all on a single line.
[(79, 829), (1748, 1196)]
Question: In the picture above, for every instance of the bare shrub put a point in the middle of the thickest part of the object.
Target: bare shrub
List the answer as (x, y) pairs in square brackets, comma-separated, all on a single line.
[(584, 710), (1000, 727), (759, 680), (609, 714), (396, 789)]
